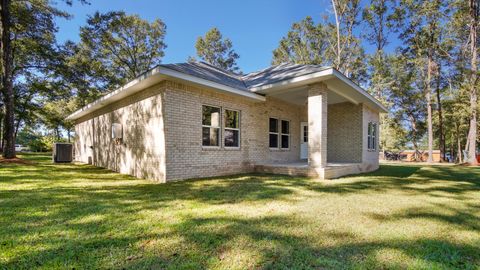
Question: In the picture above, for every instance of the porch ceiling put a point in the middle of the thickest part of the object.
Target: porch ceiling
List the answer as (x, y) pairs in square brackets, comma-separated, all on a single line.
[(298, 96)]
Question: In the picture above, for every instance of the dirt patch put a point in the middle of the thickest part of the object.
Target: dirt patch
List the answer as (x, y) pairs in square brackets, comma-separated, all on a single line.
[(15, 161)]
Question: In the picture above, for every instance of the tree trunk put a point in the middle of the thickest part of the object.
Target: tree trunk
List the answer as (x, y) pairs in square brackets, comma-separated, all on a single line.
[(428, 97), (414, 138), (56, 131), (1, 132), (337, 25), (459, 145), (452, 151), (9, 129), (440, 119), (472, 133)]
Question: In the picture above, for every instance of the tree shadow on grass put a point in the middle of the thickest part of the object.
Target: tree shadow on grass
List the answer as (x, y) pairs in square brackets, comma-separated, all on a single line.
[(218, 242), (78, 226), (215, 239), (466, 217)]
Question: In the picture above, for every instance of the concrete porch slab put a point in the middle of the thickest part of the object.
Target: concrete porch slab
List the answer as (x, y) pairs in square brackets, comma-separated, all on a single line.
[(301, 168)]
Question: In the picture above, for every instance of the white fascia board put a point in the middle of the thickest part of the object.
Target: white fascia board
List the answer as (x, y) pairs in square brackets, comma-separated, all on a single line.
[(359, 89), (210, 84)]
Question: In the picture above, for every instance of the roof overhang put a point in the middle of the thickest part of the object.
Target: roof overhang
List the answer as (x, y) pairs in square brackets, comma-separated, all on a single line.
[(155, 76), (335, 81)]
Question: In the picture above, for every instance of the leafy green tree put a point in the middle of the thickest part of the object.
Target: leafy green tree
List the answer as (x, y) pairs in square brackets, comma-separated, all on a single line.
[(119, 47), (28, 50), (306, 43), (463, 28), (216, 50), (346, 47), (473, 23), (378, 18), (407, 99), (54, 114), (420, 29), (310, 43)]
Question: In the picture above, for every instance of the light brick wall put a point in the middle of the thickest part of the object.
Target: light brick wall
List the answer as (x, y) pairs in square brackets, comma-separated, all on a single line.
[(142, 150), (370, 158), (186, 158), (345, 133)]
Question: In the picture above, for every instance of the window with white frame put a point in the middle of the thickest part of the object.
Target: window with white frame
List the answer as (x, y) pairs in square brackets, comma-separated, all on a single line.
[(231, 133), (273, 133), (372, 136), (285, 134), (210, 125)]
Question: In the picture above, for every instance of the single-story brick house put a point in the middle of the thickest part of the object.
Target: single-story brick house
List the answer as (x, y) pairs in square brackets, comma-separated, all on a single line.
[(191, 120)]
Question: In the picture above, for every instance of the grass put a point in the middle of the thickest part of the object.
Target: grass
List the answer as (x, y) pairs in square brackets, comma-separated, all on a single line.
[(82, 217)]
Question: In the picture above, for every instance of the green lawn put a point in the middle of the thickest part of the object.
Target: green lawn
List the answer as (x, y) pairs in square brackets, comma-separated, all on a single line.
[(79, 216)]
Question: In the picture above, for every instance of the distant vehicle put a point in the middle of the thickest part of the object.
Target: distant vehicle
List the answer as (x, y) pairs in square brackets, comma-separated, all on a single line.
[(20, 148)]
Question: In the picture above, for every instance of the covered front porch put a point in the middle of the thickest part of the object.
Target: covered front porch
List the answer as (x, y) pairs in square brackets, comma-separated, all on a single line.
[(330, 131)]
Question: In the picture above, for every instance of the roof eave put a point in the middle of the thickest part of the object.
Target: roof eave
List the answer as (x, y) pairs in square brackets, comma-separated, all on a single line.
[(210, 84), (346, 80), (155, 76), (289, 83), (318, 77)]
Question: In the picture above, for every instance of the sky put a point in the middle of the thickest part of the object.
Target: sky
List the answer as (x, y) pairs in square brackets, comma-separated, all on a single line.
[(254, 26)]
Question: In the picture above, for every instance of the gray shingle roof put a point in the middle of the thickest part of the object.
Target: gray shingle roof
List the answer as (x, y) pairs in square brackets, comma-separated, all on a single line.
[(238, 82), (279, 73), (209, 72), (266, 76)]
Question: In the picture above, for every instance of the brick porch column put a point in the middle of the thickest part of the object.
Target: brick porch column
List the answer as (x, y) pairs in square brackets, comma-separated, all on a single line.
[(317, 125)]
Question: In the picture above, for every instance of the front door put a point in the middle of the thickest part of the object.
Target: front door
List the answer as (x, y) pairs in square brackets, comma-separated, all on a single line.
[(303, 140)]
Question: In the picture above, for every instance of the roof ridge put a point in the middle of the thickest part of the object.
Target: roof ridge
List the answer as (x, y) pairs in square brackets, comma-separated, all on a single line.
[(227, 72), (264, 69)]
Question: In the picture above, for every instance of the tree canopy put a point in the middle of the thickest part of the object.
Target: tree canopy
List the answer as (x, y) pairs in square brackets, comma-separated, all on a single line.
[(214, 49)]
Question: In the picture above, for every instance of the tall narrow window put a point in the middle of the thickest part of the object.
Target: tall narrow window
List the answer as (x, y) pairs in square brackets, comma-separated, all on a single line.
[(210, 126), (372, 136), (285, 131), (369, 136), (232, 129), (273, 133)]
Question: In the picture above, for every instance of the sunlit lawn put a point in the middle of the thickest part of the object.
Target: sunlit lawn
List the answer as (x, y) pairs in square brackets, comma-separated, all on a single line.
[(78, 216)]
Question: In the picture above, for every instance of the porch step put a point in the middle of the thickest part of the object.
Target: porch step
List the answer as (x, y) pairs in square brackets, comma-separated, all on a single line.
[(332, 171)]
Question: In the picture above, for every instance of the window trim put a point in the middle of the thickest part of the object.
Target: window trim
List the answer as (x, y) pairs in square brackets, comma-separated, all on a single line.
[(238, 129), (274, 133), (206, 126), (284, 134)]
